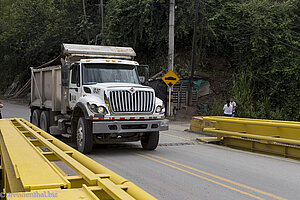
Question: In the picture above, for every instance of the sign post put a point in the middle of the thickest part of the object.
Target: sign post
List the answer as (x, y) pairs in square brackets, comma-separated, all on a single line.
[(170, 97), (170, 80)]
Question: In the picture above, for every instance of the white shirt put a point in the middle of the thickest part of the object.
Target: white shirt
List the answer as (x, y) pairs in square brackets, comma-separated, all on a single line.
[(228, 110), (233, 105)]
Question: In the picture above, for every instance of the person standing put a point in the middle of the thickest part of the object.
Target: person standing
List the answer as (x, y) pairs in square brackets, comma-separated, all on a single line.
[(228, 109), (1, 106), (232, 102)]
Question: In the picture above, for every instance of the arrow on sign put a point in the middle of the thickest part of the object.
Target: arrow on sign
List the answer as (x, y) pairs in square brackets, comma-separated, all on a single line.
[(170, 84)]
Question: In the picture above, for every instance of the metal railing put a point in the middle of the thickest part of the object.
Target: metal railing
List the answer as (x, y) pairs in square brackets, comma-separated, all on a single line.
[(268, 136), (34, 163), (124, 101), (273, 128)]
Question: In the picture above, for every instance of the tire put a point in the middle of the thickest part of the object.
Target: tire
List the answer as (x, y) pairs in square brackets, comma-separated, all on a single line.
[(45, 121), (150, 140), (84, 136), (35, 117)]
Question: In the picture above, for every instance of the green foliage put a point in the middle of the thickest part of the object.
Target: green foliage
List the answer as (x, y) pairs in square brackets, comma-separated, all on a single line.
[(32, 33), (266, 52), (242, 91), (216, 108)]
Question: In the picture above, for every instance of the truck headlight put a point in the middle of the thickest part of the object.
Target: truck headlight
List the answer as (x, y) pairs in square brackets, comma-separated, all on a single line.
[(96, 109), (160, 109), (101, 109)]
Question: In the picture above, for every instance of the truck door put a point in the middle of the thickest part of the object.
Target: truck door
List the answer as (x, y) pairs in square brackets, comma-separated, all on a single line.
[(74, 86)]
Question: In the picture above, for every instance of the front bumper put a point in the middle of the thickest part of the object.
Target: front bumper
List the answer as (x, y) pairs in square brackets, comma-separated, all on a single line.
[(138, 126)]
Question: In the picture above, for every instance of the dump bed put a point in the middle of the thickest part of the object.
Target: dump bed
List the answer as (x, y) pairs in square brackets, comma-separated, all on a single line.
[(76, 52), (46, 87)]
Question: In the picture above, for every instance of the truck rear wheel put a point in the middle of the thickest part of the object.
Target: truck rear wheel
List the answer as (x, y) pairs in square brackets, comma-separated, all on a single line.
[(150, 140), (45, 121), (84, 136), (35, 117)]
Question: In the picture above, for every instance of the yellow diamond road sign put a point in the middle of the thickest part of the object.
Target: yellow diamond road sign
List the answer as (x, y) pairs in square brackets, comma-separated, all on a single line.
[(170, 78)]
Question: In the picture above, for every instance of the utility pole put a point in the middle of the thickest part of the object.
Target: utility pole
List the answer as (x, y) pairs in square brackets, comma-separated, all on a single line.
[(102, 21), (102, 16), (171, 51), (85, 19), (193, 52)]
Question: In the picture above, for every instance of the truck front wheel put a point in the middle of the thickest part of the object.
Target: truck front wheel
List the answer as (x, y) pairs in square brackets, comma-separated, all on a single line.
[(150, 140), (84, 136)]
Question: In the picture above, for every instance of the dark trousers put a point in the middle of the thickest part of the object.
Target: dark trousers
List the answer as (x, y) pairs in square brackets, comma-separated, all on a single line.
[(0, 115), (226, 115)]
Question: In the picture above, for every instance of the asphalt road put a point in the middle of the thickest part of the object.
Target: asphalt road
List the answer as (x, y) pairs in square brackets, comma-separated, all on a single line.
[(181, 168)]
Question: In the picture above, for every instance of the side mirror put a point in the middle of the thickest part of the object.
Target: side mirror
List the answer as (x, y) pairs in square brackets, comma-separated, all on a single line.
[(146, 82), (142, 79), (64, 75)]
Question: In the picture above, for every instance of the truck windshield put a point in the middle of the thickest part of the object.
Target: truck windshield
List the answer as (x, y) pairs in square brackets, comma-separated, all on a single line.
[(105, 73)]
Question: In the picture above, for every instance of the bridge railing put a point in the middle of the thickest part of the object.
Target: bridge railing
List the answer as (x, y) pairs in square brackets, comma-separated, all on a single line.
[(268, 136), (36, 164)]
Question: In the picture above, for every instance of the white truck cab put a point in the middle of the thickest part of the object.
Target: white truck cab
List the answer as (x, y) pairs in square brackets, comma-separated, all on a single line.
[(95, 96)]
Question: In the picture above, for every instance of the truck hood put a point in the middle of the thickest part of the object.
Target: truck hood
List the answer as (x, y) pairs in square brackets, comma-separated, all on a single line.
[(99, 88), (99, 93)]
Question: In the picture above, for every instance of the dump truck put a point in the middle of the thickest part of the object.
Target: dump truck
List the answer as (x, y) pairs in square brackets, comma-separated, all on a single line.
[(95, 95)]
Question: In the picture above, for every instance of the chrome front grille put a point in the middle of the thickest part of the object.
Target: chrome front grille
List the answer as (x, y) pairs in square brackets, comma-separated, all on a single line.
[(124, 101)]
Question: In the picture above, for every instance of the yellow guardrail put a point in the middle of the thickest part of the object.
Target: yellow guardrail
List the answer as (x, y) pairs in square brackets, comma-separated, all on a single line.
[(268, 136), (36, 165), (274, 128)]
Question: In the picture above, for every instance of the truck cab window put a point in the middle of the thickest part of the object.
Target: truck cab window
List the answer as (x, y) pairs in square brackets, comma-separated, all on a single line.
[(75, 74), (109, 73)]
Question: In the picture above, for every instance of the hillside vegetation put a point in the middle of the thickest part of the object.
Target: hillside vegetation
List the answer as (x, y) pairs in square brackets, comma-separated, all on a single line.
[(255, 43)]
